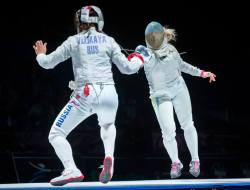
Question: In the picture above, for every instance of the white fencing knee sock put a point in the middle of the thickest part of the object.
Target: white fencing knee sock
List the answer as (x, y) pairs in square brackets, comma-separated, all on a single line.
[(63, 151), (172, 149), (191, 138), (108, 135)]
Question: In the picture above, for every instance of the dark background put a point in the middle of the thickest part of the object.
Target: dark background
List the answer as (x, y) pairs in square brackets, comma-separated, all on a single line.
[(215, 36)]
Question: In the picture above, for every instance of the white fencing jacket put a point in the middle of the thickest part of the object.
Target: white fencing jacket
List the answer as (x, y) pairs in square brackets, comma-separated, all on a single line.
[(92, 56), (163, 71)]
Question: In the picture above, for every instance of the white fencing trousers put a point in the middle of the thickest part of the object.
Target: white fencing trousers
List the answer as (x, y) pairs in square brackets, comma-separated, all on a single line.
[(164, 113), (183, 110), (103, 101), (181, 103)]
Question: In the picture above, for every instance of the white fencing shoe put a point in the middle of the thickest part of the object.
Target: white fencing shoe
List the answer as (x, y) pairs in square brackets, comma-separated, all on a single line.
[(68, 176)]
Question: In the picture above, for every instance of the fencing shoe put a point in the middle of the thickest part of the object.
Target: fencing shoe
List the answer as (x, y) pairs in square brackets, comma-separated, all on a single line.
[(68, 176), (176, 170), (107, 171)]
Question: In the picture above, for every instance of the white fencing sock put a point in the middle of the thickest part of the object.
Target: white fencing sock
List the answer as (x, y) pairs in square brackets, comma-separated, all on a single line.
[(63, 151), (108, 135), (192, 142)]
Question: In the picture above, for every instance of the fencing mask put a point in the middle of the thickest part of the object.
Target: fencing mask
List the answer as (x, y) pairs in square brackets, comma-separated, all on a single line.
[(154, 35)]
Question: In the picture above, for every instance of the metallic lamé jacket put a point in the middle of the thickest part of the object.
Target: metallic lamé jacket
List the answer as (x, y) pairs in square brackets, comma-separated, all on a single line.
[(163, 71), (92, 55)]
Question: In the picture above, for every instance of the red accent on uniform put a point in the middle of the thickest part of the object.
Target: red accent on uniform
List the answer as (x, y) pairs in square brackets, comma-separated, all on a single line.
[(73, 102), (130, 56), (105, 175), (78, 96), (65, 181), (202, 73), (86, 90)]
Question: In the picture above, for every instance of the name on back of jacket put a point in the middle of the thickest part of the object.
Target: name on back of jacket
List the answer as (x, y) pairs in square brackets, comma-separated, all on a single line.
[(99, 39)]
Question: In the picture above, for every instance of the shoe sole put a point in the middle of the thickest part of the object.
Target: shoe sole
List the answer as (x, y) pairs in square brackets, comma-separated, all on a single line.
[(70, 180), (174, 177), (105, 175), (195, 174), (192, 170)]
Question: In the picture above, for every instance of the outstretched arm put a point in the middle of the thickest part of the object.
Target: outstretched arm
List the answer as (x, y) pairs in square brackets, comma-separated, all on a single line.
[(190, 69), (129, 65), (51, 60)]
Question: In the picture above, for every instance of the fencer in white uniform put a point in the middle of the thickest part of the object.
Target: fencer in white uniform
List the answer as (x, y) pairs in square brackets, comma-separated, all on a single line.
[(168, 92), (92, 53)]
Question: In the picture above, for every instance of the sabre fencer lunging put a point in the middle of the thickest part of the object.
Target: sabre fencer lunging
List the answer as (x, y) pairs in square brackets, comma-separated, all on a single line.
[(92, 54), (168, 92)]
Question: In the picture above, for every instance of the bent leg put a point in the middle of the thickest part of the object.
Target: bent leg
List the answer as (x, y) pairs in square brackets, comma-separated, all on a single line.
[(106, 113), (69, 117)]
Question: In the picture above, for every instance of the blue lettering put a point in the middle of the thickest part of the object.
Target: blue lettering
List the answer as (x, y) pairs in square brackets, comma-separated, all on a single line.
[(85, 40), (92, 50), (63, 115), (95, 40), (99, 39), (91, 40), (61, 120), (58, 124)]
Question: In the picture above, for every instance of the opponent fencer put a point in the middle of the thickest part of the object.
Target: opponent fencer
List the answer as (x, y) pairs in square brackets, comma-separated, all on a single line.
[(168, 92), (92, 53)]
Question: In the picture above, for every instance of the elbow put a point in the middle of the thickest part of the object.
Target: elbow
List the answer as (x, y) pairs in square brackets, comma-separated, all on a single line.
[(129, 71), (45, 65)]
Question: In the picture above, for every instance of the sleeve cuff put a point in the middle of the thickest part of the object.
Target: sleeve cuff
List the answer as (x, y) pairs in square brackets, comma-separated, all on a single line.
[(40, 56), (202, 73), (133, 55)]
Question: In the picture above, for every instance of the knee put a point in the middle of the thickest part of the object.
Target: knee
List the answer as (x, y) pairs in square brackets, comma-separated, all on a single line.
[(51, 137), (108, 130), (169, 135), (54, 133), (188, 128), (187, 125), (107, 125)]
